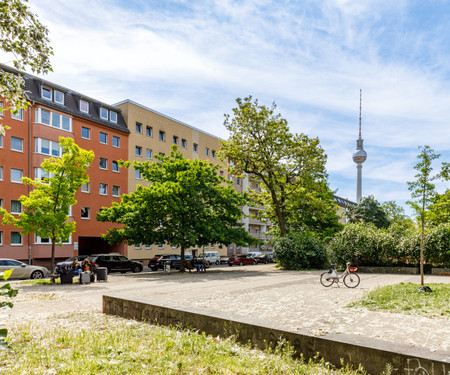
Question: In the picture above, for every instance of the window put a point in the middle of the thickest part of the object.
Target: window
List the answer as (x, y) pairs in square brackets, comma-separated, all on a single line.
[(1, 108), (138, 151), (115, 191), (103, 190), (104, 113), (1, 202), (162, 136), (147, 246), (16, 238), (103, 163), (59, 97), (160, 245), (16, 207), (137, 174), (116, 141), (175, 140), (183, 143), (195, 147), (1, 173), (85, 212), (238, 181), (211, 246), (113, 117), (46, 93), (40, 174), (86, 188), (85, 133), (148, 153), (213, 154), (53, 119), (206, 151), (221, 173), (16, 175), (115, 166), (84, 106), (46, 147), (149, 131), (137, 245), (18, 115), (1, 140), (103, 138), (16, 144), (138, 128), (1, 238)]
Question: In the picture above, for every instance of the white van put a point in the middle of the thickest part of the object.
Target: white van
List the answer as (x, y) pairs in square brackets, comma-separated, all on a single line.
[(210, 257)]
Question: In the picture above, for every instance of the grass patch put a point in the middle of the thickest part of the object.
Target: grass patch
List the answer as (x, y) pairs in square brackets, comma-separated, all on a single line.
[(45, 282), (100, 344), (404, 298)]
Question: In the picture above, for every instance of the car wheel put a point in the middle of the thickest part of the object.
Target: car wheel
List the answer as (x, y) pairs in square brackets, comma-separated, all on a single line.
[(241, 264), (265, 262), (137, 269), (153, 268), (123, 271), (217, 262), (37, 275), (255, 262), (230, 264)]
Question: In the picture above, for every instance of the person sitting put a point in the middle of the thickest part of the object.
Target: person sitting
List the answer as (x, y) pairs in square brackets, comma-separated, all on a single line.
[(198, 264), (76, 268)]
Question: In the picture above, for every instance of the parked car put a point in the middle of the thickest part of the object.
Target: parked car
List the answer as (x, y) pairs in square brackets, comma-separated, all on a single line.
[(116, 262), (255, 254), (211, 257), (174, 260), (224, 260), (266, 258), (22, 270), (241, 259)]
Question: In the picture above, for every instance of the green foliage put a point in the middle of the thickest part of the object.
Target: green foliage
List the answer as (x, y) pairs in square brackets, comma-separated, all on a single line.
[(404, 298), (439, 209), (46, 207), (396, 215), (368, 211), (289, 167), (9, 292), (363, 244), (187, 204), (22, 35), (437, 245), (300, 250)]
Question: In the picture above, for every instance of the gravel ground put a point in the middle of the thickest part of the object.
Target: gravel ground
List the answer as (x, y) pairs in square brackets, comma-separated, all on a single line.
[(292, 300)]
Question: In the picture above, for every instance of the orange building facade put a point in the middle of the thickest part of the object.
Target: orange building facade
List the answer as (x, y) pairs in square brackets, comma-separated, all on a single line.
[(33, 136)]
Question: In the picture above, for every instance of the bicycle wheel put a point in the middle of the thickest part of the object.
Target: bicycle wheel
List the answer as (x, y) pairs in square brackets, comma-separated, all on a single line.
[(351, 280), (324, 281)]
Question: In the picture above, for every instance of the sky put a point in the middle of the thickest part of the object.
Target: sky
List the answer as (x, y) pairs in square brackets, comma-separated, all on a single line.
[(191, 59)]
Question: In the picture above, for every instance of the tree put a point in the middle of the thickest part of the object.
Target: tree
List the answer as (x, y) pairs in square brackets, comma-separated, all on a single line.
[(187, 204), (46, 208), (368, 210), (439, 209), (423, 191), (286, 165), (26, 38)]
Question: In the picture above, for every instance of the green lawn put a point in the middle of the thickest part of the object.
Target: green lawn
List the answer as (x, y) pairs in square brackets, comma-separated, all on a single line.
[(404, 298), (99, 344)]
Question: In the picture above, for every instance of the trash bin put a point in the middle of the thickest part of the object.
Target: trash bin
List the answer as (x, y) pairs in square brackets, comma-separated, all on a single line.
[(102, 274), (167, 265), (66, 278)]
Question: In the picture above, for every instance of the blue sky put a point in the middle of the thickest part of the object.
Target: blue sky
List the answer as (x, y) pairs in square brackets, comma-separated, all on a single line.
[(192, 59)]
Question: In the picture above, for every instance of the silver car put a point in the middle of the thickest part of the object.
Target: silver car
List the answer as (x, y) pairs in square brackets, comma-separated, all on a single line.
[(22, 270)]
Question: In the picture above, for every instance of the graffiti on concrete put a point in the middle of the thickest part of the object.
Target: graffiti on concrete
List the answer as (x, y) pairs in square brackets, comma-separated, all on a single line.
[(414, 367)]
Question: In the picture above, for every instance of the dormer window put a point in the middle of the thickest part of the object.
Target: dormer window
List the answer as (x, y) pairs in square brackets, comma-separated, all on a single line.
[(59, 97), (103, 113), (46, 93), (113, 117), (84, 106)]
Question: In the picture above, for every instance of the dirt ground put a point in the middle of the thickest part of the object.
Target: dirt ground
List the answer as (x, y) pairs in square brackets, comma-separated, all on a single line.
[(293, 300)]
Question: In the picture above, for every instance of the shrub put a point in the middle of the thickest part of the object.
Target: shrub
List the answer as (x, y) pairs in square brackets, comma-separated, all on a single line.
[(437, 245), (300, 250)]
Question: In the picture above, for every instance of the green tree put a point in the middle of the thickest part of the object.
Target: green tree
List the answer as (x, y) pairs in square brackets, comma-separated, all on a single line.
[(45, 209), (423, 191), (187, 204), (286, 165), (368, 210), (22, 35), (439, 209)]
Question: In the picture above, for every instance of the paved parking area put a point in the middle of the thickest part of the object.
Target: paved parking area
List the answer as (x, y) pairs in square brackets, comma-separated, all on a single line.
[(293, 300)]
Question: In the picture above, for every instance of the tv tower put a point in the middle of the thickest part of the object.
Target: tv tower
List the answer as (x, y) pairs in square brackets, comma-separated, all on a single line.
[(359, 156)]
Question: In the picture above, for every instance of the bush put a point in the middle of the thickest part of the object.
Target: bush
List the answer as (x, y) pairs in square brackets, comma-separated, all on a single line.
[(437, 246), (363, 244), (300, 250)]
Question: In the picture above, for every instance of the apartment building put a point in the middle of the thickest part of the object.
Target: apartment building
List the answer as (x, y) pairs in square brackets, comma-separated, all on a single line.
[(33, 136), (153, 133)]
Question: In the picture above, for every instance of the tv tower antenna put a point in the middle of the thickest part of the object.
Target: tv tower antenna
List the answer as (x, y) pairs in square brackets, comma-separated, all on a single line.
[(359, 156)]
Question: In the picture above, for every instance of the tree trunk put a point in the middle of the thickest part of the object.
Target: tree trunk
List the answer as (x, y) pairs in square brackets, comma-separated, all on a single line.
[(422, 261), (182, 259), (52, 269)]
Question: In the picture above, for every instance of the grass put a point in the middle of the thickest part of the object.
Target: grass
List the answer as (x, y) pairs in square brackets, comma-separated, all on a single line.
[(404, 298), (99, 344), (45, 282)]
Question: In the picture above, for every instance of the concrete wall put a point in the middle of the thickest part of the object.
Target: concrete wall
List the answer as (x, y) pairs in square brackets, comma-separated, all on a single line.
[(371, 353)]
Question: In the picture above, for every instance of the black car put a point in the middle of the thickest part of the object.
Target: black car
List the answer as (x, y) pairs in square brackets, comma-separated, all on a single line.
[(174, 260), (266, 258), (116, 262)]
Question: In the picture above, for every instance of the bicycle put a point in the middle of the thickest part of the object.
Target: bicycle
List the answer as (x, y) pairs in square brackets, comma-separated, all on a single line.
[(351, 279)]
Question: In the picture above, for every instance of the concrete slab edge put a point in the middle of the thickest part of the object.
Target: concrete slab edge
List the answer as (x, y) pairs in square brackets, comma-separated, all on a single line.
[(374, 355)]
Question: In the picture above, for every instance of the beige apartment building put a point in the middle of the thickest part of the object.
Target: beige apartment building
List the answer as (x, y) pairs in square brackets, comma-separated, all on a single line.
[(153, 133)]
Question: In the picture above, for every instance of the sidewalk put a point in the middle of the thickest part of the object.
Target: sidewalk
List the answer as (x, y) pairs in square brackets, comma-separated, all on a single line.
[(291, 299)]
